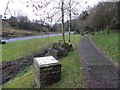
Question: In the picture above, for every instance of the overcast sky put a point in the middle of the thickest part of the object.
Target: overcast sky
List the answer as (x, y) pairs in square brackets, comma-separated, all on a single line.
[(15, 5)]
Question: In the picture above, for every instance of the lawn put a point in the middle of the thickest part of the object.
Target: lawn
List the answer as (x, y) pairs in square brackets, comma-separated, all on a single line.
[(14, 50), (108, 44), (71, 72)]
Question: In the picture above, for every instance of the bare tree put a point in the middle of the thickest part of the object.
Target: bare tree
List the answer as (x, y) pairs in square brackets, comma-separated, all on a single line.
[(61, 9)]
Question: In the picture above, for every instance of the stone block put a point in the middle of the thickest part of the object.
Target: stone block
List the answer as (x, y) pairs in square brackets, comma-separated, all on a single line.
[(57, 52), (67, 47), (47, 70)]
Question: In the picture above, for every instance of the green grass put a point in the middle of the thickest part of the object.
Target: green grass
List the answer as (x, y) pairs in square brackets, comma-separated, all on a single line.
[(71, 72), (0, 53), (108, 43), (14, 50)]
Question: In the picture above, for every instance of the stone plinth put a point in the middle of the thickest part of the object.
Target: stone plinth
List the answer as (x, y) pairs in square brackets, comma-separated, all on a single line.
[(47, 71)]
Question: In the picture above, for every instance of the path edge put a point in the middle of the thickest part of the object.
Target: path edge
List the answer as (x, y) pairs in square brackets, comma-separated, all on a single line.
[(103, 53)]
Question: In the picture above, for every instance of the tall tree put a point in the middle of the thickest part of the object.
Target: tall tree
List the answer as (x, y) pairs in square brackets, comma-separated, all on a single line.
[(62, 9)]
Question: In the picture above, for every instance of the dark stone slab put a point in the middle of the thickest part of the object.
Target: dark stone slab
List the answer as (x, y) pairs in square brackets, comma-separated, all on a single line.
[(67, 47), (57, 52)]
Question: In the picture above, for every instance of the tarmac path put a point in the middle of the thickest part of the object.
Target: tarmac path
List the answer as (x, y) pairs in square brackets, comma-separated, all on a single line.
[(100, 72)]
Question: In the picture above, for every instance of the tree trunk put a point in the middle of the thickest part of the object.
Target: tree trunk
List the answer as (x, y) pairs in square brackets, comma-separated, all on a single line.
[(62, 28), (108, 31), (70, 20)]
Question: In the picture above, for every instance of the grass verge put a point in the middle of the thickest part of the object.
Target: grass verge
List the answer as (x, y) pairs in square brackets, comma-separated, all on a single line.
[(71, 76), (108, 43)]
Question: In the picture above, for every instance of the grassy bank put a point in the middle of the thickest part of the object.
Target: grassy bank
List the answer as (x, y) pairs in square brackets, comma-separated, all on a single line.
[(108, 43), (71, 72), (14, 50)]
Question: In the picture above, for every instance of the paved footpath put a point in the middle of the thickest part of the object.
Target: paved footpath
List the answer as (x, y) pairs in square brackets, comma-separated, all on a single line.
[(100, 72)]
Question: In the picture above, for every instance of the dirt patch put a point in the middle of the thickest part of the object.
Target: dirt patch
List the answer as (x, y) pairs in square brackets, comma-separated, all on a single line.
[(12, 68)]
